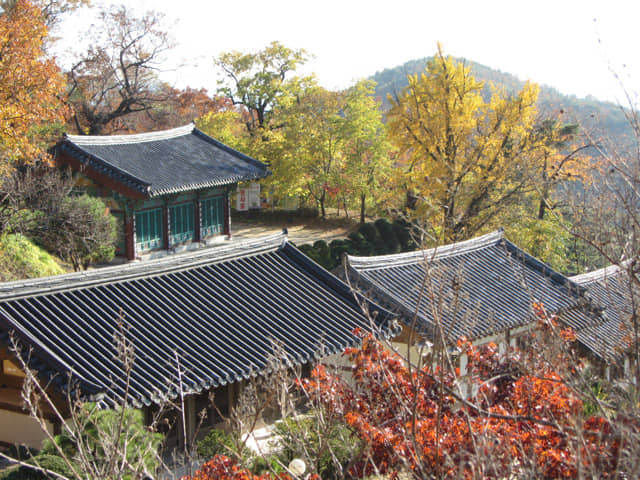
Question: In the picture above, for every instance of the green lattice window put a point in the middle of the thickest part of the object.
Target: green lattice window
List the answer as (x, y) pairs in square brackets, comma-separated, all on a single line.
[(212, 216), (149, 229), (181, 223)]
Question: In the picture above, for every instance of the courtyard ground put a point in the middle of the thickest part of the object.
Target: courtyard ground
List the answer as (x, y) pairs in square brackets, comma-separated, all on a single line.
[(301, 229)]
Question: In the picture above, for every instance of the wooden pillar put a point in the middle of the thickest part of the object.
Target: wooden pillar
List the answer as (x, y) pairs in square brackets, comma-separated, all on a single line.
[(231, 395), (186, 432), (197, 234), (190, 418), (464, 362), (227, 213), (165, 225), (129, 235)]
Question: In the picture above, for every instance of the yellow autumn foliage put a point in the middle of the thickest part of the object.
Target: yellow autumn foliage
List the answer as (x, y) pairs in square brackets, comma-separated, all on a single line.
[(464, 158)]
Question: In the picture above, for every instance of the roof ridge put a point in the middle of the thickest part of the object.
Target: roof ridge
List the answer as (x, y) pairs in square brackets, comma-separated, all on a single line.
[(146, 268), (431, 253), (131, 138), (543, 267), (595, 275)]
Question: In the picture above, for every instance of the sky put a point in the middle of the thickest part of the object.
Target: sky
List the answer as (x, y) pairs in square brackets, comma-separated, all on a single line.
[(573, 46)]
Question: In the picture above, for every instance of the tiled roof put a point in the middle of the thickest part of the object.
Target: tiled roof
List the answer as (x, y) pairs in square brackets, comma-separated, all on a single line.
[(159, 163), (475, 288), (610, 289), (217, 312)]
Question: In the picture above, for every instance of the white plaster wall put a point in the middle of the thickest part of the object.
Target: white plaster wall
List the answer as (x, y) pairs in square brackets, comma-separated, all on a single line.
[(21, 429)]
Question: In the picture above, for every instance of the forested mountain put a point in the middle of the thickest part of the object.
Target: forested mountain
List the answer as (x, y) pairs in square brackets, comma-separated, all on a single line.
[(598, 117)]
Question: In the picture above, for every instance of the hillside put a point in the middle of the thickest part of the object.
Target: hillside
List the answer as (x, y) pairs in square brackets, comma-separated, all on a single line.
[(601, 118)]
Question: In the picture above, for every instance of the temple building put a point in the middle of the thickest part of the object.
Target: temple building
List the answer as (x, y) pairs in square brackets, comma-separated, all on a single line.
[(169, 190), (484, 289), (205, 321)]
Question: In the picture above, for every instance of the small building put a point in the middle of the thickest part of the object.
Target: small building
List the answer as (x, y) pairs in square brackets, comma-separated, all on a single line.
[(483, 289), (199, 322), (169, 190), (612, 338)]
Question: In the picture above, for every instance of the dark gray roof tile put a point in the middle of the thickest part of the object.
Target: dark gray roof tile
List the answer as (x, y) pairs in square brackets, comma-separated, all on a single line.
[(475, 288), (159, 163), (611, 290), (218, 312)]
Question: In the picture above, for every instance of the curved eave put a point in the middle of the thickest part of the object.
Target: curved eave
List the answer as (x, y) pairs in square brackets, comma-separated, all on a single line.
[(213, 183), (138, 399), (48, 365), (50, 369), (420, 256), (103, 167), (600, 348)]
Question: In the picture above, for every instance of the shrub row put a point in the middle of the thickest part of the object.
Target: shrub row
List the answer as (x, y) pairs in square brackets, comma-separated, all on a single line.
[(374, 238)]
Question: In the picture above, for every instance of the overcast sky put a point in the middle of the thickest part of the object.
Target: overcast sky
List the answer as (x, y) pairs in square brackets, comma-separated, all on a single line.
[(567, 44)]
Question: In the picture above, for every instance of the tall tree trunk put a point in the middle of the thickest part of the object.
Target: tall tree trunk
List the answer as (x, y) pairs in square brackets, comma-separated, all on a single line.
[(542, 208), (363, 198), (321, 201), (344, 205), (545, 191)]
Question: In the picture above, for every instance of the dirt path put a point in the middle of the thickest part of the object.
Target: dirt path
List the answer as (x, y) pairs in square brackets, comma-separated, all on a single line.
[(300, 230)]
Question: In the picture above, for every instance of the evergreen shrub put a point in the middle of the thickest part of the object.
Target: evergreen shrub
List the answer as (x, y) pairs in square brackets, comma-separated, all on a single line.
[(328, 456), (379, 238), (54, 463), (217, 442), (388, 235)]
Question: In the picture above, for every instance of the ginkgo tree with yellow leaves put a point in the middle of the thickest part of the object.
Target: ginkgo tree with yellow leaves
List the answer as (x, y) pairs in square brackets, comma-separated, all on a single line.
[(465, 159)]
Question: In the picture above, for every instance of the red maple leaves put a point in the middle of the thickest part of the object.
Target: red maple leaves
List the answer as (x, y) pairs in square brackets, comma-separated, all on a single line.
[(521, 416), (511, 414)]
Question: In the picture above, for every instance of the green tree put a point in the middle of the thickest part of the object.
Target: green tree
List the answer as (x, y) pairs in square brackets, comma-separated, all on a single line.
[(81, 231), (260, 85), (258, 81), (466, 158), (367, 163), (226, 126), (546, 239), (314, 137)]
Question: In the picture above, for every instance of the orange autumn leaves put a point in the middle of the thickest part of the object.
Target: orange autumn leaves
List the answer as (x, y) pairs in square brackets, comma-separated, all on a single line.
[(512, 414), (31, 86), (522, 417)]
